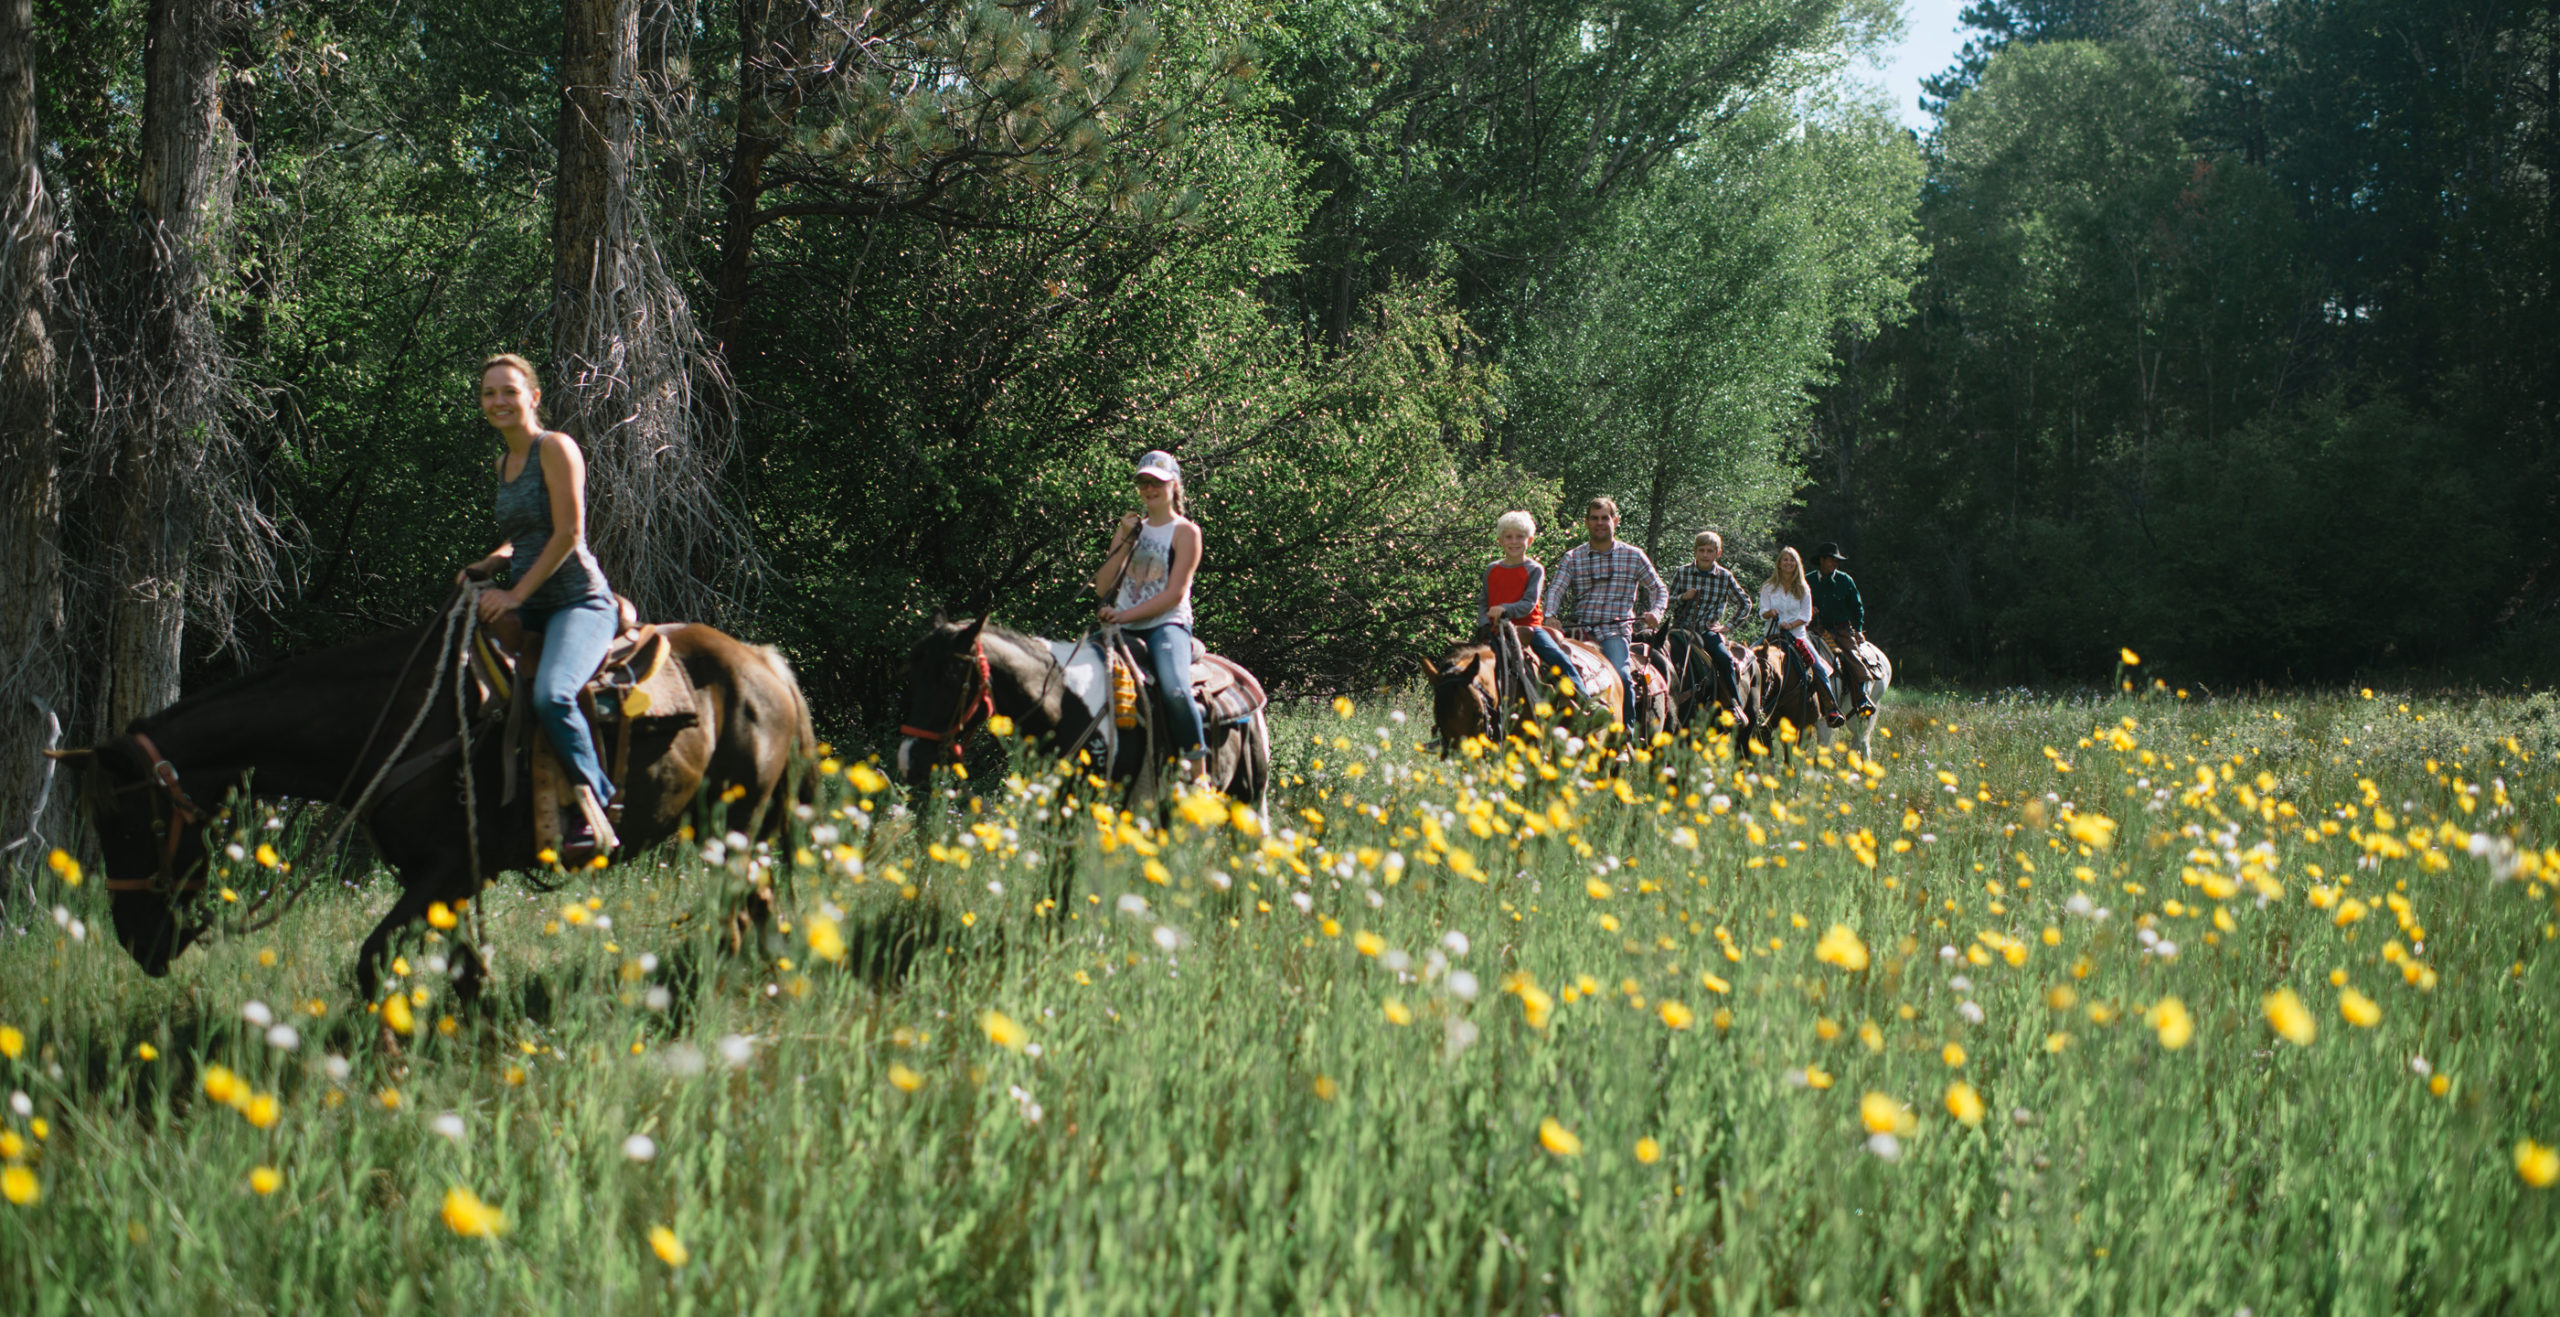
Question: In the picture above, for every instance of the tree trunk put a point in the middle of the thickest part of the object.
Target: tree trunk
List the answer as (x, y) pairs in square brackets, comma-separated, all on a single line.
[(769, 94), (161, 395), (624, 344), (34, 680)]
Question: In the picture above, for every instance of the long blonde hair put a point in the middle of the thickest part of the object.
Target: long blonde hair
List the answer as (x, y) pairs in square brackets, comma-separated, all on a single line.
[(1789, 564)]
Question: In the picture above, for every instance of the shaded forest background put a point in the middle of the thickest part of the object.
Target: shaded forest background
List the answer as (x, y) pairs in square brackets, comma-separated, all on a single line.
[(2223, 328)]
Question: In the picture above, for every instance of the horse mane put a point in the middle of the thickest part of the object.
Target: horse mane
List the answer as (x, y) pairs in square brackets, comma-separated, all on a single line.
[(377, 655)]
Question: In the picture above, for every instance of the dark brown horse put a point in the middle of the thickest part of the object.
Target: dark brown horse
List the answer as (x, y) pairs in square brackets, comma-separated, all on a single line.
[(1792, 698), (320, 726), (1700, 688), (961, 673)]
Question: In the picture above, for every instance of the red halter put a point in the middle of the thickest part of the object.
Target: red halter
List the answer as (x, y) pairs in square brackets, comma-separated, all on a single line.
[(182, 811), (970, 709)]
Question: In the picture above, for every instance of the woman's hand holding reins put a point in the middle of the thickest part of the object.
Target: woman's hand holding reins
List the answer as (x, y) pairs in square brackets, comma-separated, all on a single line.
[(495, 604)]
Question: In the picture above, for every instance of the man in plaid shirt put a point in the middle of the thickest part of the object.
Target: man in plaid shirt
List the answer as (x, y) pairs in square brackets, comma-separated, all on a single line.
[(1609, 583), (1703, 596)]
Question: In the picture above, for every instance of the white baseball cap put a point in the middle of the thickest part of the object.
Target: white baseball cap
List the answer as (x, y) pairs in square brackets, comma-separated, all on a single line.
[(1160, 464)]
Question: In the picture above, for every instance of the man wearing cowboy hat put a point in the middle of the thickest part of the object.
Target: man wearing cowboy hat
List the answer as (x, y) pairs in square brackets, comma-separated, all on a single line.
[(1842, 619)]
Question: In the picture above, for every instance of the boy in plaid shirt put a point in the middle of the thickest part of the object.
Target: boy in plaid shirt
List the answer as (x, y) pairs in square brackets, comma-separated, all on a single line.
[(1703, 596)]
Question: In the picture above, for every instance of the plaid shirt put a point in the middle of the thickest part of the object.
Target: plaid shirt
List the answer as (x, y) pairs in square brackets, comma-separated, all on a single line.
[(1608, 589), (1719, 596)]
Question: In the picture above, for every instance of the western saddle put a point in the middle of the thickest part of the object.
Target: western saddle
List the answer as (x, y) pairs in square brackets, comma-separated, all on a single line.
[(637, 682)]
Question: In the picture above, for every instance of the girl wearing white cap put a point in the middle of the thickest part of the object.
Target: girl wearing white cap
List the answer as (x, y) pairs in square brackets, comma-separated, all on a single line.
[(1146, 581)]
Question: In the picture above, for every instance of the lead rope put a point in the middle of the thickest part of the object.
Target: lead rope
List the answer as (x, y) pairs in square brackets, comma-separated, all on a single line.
[(470, 790)]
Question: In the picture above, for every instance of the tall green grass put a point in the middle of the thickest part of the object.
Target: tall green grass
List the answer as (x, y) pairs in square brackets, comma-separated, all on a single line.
[(996, 1060)]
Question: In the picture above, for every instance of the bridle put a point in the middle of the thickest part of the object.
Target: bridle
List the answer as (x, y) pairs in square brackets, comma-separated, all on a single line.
[(969, 709), (182, 811)]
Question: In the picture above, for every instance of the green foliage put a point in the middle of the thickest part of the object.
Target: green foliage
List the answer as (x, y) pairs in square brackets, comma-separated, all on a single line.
[(953, 1085), (1670, 368), (2213, 335)]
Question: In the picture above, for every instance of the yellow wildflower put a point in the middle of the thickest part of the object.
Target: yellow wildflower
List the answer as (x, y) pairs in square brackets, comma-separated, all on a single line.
[(12, 1042), (903, 1079), (1648, 1151), (1556, 1139), (1882, 1114), (1002, 1031), (467, 1216), (1841, 947), (18, 1185), (2536, 1164), (2168, 1017), (2359, 1009), (1964, 1103), (2094, 830), (265, 1180), (670, 1250), (1677, 1015), (2290, 1018), (826, 939)]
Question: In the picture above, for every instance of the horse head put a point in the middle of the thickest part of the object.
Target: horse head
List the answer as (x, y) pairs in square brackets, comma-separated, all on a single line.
[(1462, 694), (151, 841), (948, 691)]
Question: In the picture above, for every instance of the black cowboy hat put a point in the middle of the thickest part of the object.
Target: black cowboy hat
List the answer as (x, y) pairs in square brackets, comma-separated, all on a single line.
[(1828, 549)]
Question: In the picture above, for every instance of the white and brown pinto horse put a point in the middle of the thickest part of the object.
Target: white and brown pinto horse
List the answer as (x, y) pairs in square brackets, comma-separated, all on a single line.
[(1056, 694)]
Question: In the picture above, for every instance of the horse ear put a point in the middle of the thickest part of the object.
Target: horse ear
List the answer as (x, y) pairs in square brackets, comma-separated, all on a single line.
[(969, 632), (65, 756), (1431, 669)]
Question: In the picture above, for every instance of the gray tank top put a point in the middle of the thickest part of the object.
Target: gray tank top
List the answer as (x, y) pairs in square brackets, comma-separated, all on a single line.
[(524, 520)]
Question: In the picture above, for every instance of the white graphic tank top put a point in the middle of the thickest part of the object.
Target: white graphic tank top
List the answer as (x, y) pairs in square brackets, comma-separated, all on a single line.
[(1150, 568)]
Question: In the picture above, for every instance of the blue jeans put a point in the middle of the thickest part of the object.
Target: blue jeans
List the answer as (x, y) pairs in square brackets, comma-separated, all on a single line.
[(1168, 653), (1550, 654), (574, 640), (1613, 647)]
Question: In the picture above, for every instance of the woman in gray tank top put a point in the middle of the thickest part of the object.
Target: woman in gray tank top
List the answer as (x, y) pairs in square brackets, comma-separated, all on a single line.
[(550, 577), (1148, 579)]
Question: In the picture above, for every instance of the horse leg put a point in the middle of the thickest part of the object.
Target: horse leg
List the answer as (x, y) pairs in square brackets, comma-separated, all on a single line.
[(412, 906)]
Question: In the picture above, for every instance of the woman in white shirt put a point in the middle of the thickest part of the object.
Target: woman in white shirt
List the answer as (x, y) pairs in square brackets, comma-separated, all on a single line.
[(1147, 582), (1787, 604)]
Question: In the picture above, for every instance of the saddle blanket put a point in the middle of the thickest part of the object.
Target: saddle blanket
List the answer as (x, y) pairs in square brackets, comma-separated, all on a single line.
[(1225, 691)]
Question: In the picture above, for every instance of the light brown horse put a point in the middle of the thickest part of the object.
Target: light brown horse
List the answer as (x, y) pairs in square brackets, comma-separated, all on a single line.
[(1471, 697), (320, 727)]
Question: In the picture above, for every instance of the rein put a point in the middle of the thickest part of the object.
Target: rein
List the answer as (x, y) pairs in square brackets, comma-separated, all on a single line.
[(971, 707)]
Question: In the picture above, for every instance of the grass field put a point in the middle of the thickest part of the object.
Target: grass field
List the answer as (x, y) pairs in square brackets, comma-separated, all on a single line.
[(2137, 1006)]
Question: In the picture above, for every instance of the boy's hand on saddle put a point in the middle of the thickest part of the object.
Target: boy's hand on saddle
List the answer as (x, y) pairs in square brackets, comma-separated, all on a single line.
[(1691, 593)]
